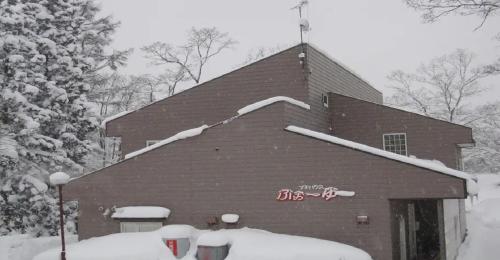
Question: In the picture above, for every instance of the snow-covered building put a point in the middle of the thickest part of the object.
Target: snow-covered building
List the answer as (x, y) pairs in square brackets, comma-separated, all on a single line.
[(294, 143)]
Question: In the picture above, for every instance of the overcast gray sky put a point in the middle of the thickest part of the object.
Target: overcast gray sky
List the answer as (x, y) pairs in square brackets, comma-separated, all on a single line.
[(371, 37)]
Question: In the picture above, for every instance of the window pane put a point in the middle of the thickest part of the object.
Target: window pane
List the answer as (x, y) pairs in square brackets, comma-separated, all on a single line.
[(395, 143)]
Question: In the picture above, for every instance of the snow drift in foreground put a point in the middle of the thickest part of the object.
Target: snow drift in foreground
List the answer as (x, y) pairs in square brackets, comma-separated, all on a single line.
[(24, 247), (245, 244), (483, 239)]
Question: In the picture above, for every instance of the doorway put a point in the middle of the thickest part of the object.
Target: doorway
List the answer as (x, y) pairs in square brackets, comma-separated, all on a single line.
[(416, 230)]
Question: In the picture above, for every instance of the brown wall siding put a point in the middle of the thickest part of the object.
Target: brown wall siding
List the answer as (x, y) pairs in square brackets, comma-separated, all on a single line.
[(327, 76), (213, 101), (255, 159), (427, 138)]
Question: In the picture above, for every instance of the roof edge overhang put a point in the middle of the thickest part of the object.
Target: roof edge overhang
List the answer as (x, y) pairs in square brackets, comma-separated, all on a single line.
[(469, 184)]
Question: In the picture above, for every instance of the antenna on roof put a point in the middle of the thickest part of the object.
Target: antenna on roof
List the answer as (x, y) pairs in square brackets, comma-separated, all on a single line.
[(303, 23)]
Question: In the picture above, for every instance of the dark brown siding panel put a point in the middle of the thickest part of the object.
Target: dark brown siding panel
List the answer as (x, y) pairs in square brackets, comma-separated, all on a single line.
[(213, 101), (238, 167), (328, 76), (366, 122)]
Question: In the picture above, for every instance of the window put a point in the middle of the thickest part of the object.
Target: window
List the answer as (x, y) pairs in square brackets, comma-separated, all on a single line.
[(139, 226), (324, 99), (151, 142), (395, 143)]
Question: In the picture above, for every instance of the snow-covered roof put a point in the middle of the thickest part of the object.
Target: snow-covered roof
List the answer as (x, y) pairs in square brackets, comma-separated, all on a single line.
[(269, 101), (113, 117), (341, 65), (427, 164), (197, 131), (141, 212), (213, 239), (121, 114), (181, 135)]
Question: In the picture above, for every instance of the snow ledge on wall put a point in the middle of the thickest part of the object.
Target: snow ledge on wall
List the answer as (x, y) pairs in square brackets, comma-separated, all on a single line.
[(181, 135), (266, 102), (141, 212), (471, 185)]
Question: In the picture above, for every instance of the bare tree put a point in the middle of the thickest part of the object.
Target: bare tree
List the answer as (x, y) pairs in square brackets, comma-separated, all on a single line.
[(261, 52), (435, 9), (190, 58), (171, 79), (441, 88)]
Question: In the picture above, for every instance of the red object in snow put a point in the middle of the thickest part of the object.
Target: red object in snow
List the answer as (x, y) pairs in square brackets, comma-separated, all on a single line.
[(172, 244)]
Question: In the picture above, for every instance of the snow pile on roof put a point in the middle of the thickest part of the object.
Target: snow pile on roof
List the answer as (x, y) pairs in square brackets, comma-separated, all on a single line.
[(181, 135), (59, 178), (230, 218), (431, 165), (245, 244), (141, 212), (177, 231), (213, 239), (113, 117), (269, 101)]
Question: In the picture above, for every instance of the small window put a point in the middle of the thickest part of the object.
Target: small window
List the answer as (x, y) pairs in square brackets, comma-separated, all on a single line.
[(151, 142), (139, 226), (395, 143), (325, 100)]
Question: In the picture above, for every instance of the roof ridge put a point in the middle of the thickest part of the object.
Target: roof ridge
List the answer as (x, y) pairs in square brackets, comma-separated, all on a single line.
[(124, 113)]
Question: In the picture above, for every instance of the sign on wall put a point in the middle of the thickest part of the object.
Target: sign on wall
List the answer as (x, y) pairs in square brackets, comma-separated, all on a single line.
[(312, 191)]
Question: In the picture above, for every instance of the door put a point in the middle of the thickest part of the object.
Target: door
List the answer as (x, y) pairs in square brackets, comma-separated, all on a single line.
[(402, 238), (416, 230)]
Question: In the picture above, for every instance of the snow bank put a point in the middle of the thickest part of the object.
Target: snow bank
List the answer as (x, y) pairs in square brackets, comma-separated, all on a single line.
[(122, 246), (483, 241), (141, 212), (181, 135), (251, 244), (431, 165), (59, 178), (269, 101), (483, 223), (245, 244), (25, 247)]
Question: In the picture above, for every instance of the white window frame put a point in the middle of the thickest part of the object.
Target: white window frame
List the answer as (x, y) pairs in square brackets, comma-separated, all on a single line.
[(327, 100), (406, 141), (151, 142), (141, 226)]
